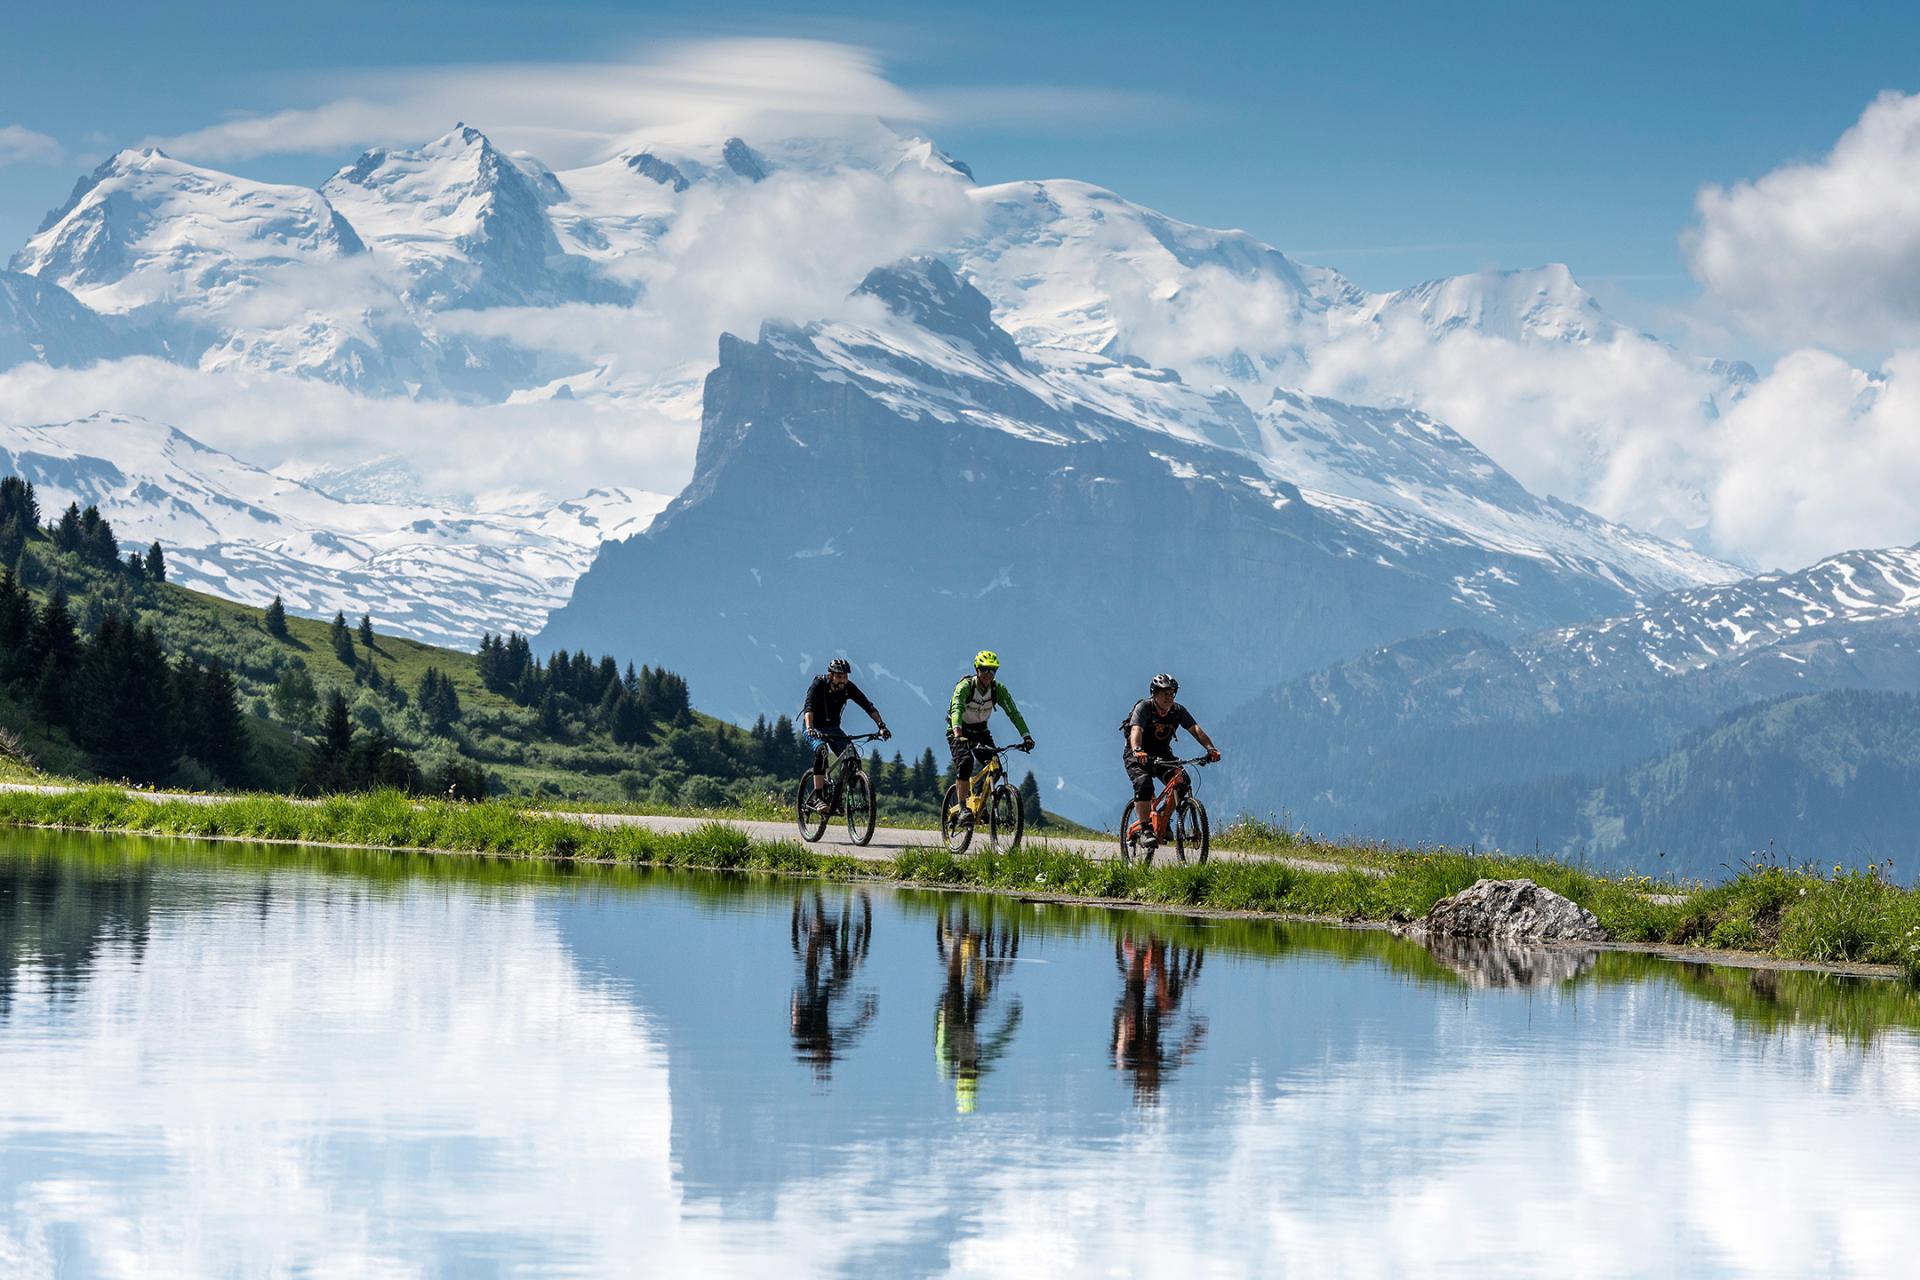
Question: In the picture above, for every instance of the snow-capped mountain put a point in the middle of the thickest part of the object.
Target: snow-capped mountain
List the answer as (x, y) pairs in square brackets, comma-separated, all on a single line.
[(246, 534), (942, 486), (463, 224), (1542, 304), (1429, 724), (1780, 619), (146, 229)]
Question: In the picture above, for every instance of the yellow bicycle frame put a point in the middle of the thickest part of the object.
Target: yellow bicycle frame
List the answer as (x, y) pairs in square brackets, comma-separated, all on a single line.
[(981, 785)]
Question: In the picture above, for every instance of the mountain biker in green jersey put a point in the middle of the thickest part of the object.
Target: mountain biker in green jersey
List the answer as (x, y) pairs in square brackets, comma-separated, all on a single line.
[(974, 699)]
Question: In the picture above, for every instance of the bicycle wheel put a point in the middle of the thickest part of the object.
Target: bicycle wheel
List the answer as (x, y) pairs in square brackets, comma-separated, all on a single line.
[(859, 807), (1126, 841), (811, 821), (956, 824), (1006, 818), (1190, 835)]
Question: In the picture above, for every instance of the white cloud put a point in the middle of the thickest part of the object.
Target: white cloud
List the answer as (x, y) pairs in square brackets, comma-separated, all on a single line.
[(1820, 457), (21, 145), (1815, 456), (1826, 252), (559, 446), (1621, 427), (571, 113)]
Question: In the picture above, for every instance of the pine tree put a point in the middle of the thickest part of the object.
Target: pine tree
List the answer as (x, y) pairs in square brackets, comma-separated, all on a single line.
[(276, 618), (926, 776), (439, 704), (17, 624), (156, 563), (97, 543), (342, 639), (609, 705), (491, 662), (55, 636), (366, 631), (336, 730), (136, 568), (631, 726), (1030, 800), (551, 725), (66, 534), (19, 517)]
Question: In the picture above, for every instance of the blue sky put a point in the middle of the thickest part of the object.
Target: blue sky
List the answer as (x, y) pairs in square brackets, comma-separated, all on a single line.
[(1396, 142)]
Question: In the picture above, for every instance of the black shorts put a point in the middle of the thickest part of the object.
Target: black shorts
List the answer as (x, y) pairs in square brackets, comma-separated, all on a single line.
[(1142, 775), (963, 750)]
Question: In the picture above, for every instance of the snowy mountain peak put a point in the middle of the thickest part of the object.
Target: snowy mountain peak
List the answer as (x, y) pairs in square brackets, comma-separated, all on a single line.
[(467, 224), (926, 292), (1541, 304), (146, 228), (741, 159), (1747, 620)]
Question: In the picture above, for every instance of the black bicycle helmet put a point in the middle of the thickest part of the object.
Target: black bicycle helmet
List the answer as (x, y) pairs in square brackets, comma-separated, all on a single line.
[(839, 667), (1163, 681)]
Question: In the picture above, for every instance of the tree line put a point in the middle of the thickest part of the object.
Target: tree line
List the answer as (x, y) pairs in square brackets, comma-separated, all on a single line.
[(116, 694)]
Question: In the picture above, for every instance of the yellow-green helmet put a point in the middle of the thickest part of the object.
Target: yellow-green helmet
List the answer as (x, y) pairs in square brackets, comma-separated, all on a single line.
[(987, 658)]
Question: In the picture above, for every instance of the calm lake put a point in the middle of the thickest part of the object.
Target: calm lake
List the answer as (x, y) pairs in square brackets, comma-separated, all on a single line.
[(219, 1060)]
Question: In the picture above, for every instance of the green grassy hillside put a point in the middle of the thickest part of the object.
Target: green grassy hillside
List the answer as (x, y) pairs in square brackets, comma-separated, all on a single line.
[(591, 731)]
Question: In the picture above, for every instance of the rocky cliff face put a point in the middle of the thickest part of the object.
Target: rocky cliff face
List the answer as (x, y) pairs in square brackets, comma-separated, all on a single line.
[(909, 491)]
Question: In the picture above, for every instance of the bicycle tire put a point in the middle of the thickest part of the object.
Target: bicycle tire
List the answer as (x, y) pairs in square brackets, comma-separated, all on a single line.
[(812, 823), (858, 806), (955, 831), (1191, 837), (1126, 841), (1006, 819)]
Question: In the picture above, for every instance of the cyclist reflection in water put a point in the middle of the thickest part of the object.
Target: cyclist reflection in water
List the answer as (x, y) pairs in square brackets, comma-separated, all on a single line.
[(966, 1040), (1148, 1043), (830, 948)]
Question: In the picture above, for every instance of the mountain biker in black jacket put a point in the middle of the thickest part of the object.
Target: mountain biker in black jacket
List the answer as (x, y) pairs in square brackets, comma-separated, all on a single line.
[(1150, 728), (827, 697)]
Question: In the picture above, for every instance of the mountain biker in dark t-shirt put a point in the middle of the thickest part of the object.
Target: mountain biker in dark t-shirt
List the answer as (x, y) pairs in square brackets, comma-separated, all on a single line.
[(1150, 729), (827, 697)]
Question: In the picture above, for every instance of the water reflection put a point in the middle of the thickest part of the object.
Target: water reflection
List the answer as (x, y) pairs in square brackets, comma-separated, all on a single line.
[(976, 951), (1488, 963), (58, 913), (1152, 1033), (830, 945), (478, 1067)]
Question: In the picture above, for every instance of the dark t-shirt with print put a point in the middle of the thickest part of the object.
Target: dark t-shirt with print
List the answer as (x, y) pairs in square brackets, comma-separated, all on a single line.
[(1157, 730)]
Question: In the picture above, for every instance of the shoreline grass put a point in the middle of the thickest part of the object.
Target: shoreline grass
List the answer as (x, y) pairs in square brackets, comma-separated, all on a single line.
[(1848, 917)]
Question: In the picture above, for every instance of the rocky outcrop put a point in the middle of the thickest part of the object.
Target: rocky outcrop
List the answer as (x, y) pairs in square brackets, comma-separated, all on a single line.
[(1513, 910)]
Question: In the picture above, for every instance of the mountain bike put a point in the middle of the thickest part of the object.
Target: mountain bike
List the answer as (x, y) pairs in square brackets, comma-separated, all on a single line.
[(1175, 813), (1001, 809), (849, 793)]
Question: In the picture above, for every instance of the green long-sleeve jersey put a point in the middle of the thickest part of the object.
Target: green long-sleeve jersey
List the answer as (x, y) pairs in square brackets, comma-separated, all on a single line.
[(970, 706)]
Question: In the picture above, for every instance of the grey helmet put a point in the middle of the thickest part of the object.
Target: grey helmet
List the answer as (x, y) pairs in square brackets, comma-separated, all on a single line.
[(839, 667), (1163, 681)]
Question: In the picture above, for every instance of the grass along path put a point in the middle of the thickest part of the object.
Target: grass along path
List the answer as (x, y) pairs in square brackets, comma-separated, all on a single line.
[(1853, 918), (887, 842)]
